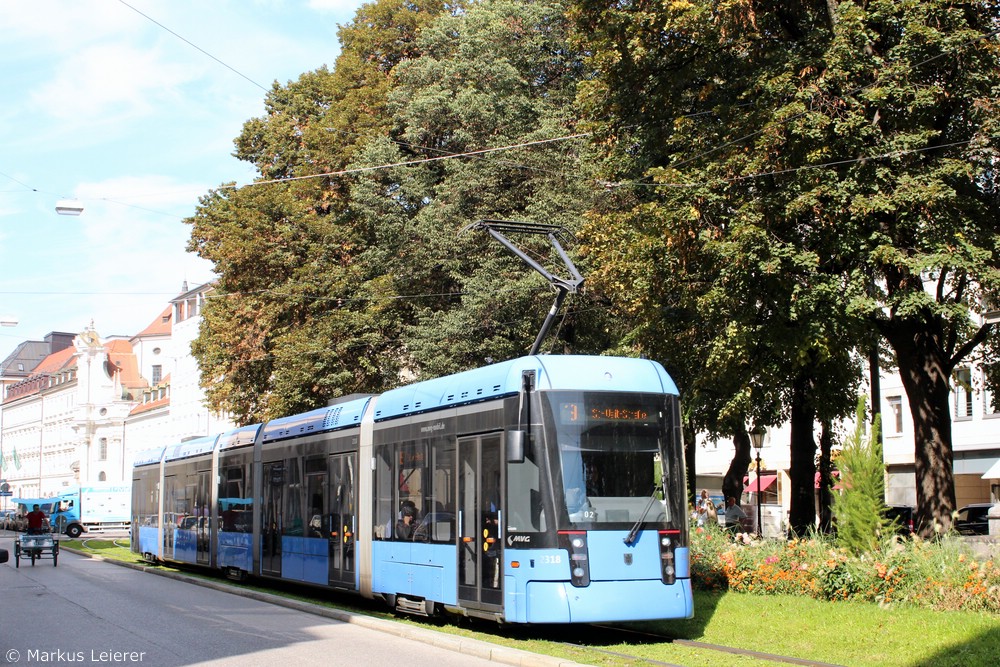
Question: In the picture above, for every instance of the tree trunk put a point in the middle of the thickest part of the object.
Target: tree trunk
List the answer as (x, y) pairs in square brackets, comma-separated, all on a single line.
[(926, 372), (732, 483), (802, 465)]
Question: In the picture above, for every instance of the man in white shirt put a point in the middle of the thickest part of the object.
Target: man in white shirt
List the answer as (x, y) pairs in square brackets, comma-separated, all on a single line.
[(734, 515)]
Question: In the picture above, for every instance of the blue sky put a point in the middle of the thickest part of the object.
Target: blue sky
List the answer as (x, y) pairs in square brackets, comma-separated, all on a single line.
[(104, 106)]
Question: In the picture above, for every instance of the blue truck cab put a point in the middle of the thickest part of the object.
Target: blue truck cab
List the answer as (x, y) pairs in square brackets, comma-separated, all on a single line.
[(94, 507)]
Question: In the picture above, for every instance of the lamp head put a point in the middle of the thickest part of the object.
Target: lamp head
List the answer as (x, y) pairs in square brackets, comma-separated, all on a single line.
[(757, 437), (69, 207)]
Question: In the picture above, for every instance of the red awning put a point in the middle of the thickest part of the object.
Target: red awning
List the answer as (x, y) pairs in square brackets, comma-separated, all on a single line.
[(765, 481)]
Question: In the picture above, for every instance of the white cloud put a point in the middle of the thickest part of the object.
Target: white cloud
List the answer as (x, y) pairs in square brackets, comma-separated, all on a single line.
[(339, 6), (108, 83)]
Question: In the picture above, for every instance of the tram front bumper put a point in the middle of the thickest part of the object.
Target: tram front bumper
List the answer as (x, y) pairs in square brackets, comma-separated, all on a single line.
[(604, 601)]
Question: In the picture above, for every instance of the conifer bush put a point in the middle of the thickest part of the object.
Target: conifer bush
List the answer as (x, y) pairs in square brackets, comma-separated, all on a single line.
[(859, 510)]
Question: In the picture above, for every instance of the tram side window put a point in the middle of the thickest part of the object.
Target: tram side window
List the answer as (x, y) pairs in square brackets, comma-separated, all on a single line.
[(293, 522), (147, 509), (205, 494), (180, 502), (385, 515), (437, 524), (315, 489), (272, 507), (415, 478), (188, 517), (411, 489), (524, 496), (235, 508), (169, 509)]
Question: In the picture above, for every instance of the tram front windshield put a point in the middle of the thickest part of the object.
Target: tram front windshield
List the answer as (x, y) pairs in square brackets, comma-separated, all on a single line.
[(613, 450)]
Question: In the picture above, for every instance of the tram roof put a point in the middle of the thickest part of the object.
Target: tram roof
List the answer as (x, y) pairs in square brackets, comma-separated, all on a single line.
[(148, 457), (330, 418), (189, 448), (570, 372), (239, 437)]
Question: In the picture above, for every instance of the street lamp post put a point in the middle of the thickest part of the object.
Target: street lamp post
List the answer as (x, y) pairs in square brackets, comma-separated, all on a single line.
[(757, 438)]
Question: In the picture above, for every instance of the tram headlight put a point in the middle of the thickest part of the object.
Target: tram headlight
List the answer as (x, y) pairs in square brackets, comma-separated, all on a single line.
[(575, 543), (668, 542)]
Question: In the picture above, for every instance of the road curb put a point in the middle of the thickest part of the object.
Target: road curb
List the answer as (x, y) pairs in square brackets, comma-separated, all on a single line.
[(464, 645)]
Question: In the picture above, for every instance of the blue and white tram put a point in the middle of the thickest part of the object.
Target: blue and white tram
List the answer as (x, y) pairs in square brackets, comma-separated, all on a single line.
[(545, 489)]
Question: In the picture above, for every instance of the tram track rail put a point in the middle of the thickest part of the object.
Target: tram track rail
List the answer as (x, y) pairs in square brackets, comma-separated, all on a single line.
[(627, 635), (104, 538)]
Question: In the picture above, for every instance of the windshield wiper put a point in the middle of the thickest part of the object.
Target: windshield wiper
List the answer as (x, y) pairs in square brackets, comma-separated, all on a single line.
[(632, 534)]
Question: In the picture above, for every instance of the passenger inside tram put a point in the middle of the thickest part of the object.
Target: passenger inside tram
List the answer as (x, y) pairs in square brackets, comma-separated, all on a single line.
[(407, 520)]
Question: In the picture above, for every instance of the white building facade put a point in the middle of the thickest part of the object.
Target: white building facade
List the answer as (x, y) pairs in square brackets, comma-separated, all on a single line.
[(975, 440), (64, 424), (83, 412)]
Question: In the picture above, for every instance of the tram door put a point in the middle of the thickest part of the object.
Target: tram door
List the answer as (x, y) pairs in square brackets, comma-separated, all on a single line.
[(169, 515), (270, 528), (203, 508), (341, 519), (480, 547)]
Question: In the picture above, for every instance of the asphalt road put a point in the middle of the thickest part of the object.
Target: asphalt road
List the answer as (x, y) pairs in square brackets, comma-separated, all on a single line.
[(90, 611)]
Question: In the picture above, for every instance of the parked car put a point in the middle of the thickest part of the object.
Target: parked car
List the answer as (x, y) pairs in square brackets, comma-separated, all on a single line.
[(972, 519), (902, 516)]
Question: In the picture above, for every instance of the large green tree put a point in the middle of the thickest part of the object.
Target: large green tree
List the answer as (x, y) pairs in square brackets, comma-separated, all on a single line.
[(297, 318), (501, 74), (856, 140)]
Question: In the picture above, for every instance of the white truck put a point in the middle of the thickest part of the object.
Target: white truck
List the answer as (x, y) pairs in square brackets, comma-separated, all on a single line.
[(94, 507)]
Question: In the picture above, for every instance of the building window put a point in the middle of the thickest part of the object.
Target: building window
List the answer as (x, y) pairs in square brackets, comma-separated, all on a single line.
[(962, 391), (894, 423), (102, 450), (991, 395), (157, 374), (103, 477)]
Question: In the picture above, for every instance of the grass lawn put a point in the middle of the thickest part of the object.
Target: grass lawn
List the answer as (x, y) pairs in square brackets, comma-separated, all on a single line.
[(840, 633)]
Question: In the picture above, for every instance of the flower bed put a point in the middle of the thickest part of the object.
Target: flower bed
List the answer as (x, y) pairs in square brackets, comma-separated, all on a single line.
[(942, 574)]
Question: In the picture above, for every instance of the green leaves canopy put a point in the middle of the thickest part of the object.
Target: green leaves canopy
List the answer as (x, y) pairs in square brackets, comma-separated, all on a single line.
[(830, 169)]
